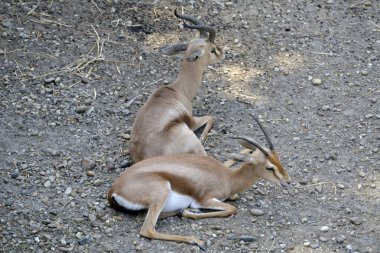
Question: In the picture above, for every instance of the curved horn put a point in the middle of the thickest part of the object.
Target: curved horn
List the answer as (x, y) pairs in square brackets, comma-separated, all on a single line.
[(204, 28), (265, 133), (193, 20), (252, 142)]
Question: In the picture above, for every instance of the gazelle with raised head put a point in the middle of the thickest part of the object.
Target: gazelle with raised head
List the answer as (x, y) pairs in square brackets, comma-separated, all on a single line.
[(165, 125), (174, 183)]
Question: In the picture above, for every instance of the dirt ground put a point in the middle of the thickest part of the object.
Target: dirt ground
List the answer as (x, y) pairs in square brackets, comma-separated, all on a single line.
[(74, 74)]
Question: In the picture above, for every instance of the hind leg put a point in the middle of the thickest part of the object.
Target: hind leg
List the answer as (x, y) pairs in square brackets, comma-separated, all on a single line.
[(155, 207), (200, 121)]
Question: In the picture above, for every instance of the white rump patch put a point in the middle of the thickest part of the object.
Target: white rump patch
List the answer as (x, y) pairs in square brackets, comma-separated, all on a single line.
[(127, 204), (177, 201)]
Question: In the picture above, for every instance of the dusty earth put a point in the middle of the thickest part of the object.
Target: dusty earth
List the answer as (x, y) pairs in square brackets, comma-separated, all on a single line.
[(73, 76)]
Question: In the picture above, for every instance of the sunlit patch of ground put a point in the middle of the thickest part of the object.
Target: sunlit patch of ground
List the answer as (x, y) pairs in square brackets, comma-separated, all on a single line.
[(288, 61), (239, 78)]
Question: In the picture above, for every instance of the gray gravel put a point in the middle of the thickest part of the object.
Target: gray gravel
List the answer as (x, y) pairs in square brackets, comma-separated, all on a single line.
[(308, 69)]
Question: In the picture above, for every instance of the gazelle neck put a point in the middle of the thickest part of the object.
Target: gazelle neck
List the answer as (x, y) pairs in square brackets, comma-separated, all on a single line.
[(242, 178), (189, 79)]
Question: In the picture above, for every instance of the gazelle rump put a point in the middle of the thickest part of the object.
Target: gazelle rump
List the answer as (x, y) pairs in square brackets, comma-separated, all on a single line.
[(166, 120), (176, 182)]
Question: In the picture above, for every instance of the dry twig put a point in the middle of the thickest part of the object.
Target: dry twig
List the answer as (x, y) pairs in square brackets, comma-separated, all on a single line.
[(320, 183), (97, 7)]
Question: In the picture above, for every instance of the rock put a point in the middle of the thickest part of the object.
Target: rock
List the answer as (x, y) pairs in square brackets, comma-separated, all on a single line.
[(81, 108), (47, 184), (125, 136), (54, 212), (6, 24), (78, 235), (247, 238), (306, 244), (125, 164), (33, 132), (316, 81), (51, 152), (88, 101), (49, 80), (23, 35), (315, 245), (51, 225), (90, 173), (368, 116), (256, 212), (340, 186), (324, 228), (84, 240), (88, 164), (14, 174), (84, 79), (340, 238), (66, 249), (92, 217), (9, 202), (98, 182), (68, 191), (364, 72), (228, 4), (356, 220)]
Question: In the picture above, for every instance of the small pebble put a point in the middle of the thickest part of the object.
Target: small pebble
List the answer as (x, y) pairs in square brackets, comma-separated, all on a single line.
[(228, 4), (68, 191), (84, 240), (324, 228), (88, 164), (340, 186), (256, 212), (84, 79), (356, 220), (315, 245), (368, 116), (247, 238), (125, 164), (316, 81), (340, 238), (81, 109), (47, 184), (92, 217), (14, 175), (90, 173), (49, 80)]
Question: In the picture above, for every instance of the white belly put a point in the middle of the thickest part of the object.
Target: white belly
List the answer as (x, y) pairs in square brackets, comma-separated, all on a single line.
[(178, 201)]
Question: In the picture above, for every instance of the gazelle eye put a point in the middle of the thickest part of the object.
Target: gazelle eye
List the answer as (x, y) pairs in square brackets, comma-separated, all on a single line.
[(213, 51), (270, 169)]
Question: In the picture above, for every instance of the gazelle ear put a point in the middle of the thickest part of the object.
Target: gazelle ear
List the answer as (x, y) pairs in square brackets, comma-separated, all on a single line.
[(173, 49), (195, 54), (247, 144), (243, 158)]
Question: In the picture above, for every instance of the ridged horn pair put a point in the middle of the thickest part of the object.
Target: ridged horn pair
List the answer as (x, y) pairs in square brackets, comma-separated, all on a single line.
[(205, 31), (254, 143)]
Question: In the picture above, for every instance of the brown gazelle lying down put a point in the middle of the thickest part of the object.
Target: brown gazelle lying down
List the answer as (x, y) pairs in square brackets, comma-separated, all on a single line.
[(164, 125), (173, 183)]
